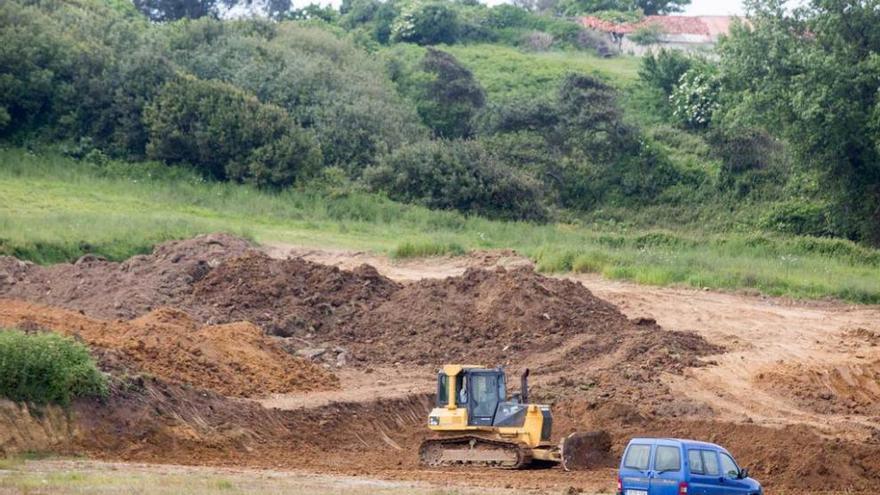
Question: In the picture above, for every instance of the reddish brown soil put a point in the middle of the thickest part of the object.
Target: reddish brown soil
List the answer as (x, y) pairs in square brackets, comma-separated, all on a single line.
[(148, 420), (287, 297), (235, 359), (844, 388), (126, 290), (599, 369)]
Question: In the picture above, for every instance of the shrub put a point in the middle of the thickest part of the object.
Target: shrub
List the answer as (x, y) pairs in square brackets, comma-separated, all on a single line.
[(798, 217), (744, 149), (538, 41), (592, 121), (426, 24), (599, 42), (451, 100), (47, 368), (459, 175), (664, 69), (228, 134), (323, 81), (696, 97)]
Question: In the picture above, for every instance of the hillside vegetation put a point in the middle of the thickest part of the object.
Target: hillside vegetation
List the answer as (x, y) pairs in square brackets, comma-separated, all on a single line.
[(59, 208), (421, 128)]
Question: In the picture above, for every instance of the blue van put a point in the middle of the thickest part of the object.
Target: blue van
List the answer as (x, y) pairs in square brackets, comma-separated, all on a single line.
[(666, 466)]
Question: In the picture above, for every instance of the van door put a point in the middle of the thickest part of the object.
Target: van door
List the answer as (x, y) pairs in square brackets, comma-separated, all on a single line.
[(635, 468), (731, 481), (705, 473), (667, 473)]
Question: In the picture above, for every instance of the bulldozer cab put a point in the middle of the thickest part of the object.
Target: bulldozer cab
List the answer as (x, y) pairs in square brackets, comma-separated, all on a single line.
[(478, 390)]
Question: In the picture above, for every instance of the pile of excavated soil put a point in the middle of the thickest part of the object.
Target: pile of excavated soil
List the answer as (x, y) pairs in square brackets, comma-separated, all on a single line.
[(502, 316), (520, 318), (493, 317), (287, 297), (111, 290), (235, 359)]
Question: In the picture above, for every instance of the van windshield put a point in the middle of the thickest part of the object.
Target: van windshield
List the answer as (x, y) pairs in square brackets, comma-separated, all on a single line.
[(637, 457)]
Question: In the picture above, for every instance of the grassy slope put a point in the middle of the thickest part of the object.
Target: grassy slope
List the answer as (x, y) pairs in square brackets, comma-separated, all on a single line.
[(55, 208), (505, 71)]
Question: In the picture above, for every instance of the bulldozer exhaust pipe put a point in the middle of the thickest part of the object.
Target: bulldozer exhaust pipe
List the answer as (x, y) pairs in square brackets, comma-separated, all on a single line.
[(524, 386)]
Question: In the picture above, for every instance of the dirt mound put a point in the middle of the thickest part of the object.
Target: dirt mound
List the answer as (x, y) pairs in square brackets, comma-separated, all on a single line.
[(503, 315), (482, 315), (845, 388), (287, 297), (235, 359), (124, 290)]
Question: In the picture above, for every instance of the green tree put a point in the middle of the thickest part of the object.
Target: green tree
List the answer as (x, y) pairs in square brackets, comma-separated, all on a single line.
[(323, 81), (646, 7), (228, 134), (664, 69), (427, 24), (810, 77), (172, 10), (450, 101)]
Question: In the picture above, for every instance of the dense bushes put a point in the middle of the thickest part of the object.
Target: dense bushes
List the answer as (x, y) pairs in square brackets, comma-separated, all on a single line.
[(46, 368), (426, 24), (326, 83), (579, 145), (228, 134), (663, 70), (449, 102), (459, 175)]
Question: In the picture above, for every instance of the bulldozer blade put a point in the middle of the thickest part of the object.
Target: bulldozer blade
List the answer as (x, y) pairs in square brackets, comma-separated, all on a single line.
[(585, 450)]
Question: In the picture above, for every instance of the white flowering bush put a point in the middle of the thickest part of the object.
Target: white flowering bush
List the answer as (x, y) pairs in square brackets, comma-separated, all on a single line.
[(425, 23), (696, 97)]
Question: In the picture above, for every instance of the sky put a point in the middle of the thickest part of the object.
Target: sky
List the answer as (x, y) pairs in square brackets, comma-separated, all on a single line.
[(714, 7)]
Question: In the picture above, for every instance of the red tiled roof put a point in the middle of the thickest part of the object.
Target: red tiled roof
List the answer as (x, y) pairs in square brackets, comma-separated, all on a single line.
[(670, 24)]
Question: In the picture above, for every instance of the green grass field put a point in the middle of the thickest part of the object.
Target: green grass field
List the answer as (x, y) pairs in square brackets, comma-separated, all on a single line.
[(55, 209)]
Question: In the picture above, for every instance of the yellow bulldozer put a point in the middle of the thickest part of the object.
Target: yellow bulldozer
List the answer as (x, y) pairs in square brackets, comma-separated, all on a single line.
[(475, 423)]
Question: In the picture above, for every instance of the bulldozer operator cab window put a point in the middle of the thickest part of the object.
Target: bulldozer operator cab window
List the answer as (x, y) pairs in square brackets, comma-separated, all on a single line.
[(485, 391), (443, 390)]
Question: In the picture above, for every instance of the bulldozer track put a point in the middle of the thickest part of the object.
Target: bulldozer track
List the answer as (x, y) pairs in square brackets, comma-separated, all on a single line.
[(471, 450)]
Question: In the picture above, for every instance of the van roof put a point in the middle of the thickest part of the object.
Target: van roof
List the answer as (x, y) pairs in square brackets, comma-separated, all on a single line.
[(682, 441)]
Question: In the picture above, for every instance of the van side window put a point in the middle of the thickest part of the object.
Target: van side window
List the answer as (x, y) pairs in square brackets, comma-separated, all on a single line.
[(637, 457), (696, 461), (667, 459), (728, 466), (710, 463)]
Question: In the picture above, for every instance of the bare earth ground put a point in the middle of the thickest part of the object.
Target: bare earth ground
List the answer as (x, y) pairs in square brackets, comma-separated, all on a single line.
[(805, 366), (814, 345)]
